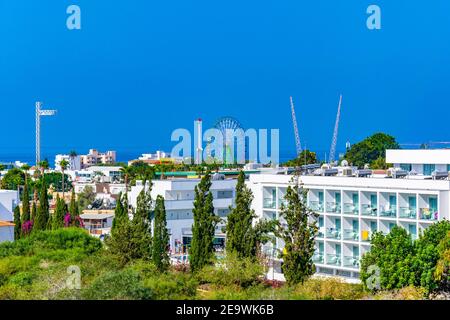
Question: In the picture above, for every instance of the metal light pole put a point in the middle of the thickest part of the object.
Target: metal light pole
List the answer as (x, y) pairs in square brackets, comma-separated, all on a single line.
[(40, 113)]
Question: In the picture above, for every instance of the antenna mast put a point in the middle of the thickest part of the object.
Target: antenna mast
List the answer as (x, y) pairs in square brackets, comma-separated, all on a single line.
[(294, 122)]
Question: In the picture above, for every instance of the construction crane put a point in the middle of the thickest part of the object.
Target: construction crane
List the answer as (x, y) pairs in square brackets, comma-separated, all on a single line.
[(294, 122), (335, 133), (40, 113)]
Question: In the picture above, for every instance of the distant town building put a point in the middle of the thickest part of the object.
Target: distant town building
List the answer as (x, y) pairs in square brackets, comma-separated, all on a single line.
[(156, 158), (95, 157), (98, 224), (74, 162)]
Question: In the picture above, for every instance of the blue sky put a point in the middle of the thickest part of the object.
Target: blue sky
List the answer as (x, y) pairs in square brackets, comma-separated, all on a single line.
[(139, 69)]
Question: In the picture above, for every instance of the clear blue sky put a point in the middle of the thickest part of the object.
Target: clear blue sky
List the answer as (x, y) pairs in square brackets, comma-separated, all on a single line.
[(139, 69)]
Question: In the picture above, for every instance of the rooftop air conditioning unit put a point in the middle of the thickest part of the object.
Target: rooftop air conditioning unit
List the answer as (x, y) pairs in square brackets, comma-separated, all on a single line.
[(440, 175)]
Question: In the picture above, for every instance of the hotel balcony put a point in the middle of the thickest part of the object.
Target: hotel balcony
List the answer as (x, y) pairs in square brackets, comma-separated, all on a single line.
[(318, 257), (368, 210), (333, 207), (428, 214), (334, 260), (332, 233), (388, 212), (269, 203), (316, 206), (407, 213), (350, 234), (350, 208), (350, 262)]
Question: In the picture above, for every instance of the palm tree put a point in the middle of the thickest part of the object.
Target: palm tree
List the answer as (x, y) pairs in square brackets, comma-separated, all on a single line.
[(43, 165), (126, 173), (63, 164), (25, 169)]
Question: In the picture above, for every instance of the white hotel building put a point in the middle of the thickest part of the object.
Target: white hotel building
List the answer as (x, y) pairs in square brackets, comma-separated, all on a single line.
[(8, 202), (353, 204), (179, 201)]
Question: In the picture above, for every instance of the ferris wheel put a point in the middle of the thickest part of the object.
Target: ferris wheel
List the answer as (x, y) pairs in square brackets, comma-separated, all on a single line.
[(229, 123)]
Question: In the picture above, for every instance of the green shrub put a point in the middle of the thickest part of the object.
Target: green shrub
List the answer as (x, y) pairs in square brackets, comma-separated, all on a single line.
[(172, 286), (327, 289), (118, 285), (243, 272)]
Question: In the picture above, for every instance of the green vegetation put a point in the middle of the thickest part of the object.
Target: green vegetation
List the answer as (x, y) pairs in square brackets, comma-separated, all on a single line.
[(298, 235), (244, 238), (402, 262), (160, 253), (305, 157), (372, 151), (205, 221)]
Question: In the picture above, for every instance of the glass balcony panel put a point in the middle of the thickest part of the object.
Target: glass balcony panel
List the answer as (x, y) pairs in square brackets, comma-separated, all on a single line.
[(316, 206), (269, 203), (407, 213), (350, 208), (332, 233), (388, 212), (334, 260), (350, 261), (317, 258), (333, 207), (350, 234), (368, 210), (428, 214)]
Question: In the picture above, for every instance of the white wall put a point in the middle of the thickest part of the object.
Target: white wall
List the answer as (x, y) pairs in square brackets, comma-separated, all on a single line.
[(6, 233), (418, 156), (8, 201)]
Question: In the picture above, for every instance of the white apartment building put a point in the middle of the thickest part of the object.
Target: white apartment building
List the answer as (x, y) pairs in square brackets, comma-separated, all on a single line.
[(179, 201), (8, 202), (9, 199), (74, 162), (352, 204), (6, 231)]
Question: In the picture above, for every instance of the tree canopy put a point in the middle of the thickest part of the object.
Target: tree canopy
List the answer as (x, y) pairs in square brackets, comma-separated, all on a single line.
[(371, 150)]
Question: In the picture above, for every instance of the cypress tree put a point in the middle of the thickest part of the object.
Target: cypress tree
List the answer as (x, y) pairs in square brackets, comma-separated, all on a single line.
[(57, 220), (298, 235), (119, 213), (203, 229), (25, 203), (73, 205), (33, 211), (42, 214), (241, 235), (17, 223), (160, 255), (141, 225)]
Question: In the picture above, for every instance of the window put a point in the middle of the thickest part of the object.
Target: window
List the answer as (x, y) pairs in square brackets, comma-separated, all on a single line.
[(373, 226), (428, 169), (433, 204), (448, 167), (321, 197), (337, 198), (338, 249), (355, 251), (355, 199), (412, 202), (405, 166), (338, 224), (320, 222), (373, 200), (392, 201)]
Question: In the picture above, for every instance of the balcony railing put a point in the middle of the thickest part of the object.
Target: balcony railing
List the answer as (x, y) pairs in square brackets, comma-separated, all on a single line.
[(333, 207), (269, 203), (350, 261), (388, 212), (317, 258), (283, 202), (320, 233), (351, 234), (316, 206), (428, 214), (368, 210), (407, 213), (334, 260), (332, 233), (350, 208)]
